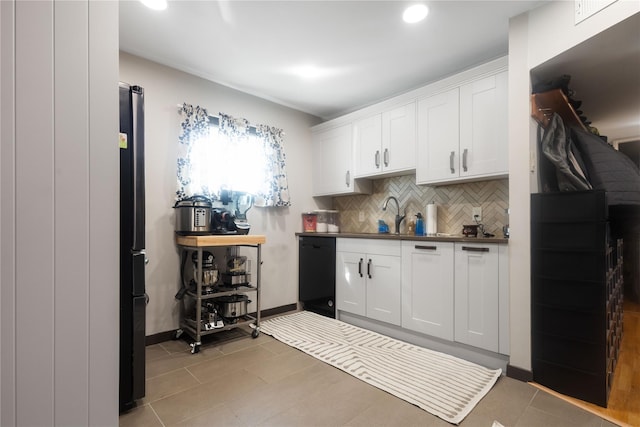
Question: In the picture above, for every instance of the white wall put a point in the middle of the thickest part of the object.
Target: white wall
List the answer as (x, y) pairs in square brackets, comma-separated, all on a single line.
[(58, 213), (165, 88), (536, 37)]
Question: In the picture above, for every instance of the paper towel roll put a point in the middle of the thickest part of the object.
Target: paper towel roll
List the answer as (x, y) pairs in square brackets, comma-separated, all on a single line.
[(432, 219)]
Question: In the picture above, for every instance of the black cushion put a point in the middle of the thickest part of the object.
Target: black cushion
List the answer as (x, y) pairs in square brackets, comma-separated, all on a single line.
[(608, 169)]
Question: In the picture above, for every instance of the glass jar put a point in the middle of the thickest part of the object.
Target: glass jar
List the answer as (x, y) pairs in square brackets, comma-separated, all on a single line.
[(309, 222), (321, 225), (332, 222)]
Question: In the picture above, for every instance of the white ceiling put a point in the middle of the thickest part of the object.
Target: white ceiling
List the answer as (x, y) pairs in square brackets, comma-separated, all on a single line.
[(365, 49), (369, 54)]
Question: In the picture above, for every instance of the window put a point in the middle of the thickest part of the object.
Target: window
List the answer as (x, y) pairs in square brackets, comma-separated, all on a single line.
[(231, 155), (218, 162)]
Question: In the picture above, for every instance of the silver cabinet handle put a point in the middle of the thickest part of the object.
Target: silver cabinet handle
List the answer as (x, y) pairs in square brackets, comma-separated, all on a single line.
[(377, 158), (470, 249), (348, 178), (464, 159), (369, 268), (146, 260), (386, 157), (430, 248), (360, 267), (453, 153)]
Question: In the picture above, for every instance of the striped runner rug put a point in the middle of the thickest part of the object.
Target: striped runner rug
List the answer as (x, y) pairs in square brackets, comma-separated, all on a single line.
[(442, 385)]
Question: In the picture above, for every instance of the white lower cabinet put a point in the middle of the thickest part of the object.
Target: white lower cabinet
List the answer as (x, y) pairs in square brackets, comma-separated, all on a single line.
[(477, 295), (454, 291), (368, 273), (427, 288)]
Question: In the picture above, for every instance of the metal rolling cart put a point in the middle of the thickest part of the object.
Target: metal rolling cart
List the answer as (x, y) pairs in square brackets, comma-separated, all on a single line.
[(196, 328)]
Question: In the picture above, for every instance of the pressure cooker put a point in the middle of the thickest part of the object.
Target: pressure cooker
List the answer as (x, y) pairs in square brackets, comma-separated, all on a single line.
[(193, 215)]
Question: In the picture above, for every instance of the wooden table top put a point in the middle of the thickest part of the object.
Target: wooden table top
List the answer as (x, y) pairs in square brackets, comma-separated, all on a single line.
[(221, 240)]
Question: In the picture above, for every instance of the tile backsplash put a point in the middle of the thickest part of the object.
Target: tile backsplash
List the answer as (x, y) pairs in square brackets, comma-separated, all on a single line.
[(455, 203)]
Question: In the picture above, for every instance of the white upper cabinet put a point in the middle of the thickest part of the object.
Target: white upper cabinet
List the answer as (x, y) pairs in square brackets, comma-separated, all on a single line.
[(483, 127), (399, 138), (385, 142), (332, 163), (438, 137), (367, 137), (452, 130), (462, 133)]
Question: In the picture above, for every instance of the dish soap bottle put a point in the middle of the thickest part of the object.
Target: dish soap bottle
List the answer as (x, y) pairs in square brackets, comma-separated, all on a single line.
[(419, 225)]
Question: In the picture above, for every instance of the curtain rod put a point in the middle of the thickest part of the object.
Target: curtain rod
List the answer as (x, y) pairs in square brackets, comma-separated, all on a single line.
[(215, 120)]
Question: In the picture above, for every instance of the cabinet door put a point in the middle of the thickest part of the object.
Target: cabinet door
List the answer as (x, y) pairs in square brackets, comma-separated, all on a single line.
[(367, 138), (399, 138), (427, 288), (383, 288), (483, 127), (438, 138), (477, 295), (350, 282), (332, 162)]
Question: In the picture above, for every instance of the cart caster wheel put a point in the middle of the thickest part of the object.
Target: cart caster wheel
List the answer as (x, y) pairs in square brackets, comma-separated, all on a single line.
[(255, 333), (178, 334), (195, 348)]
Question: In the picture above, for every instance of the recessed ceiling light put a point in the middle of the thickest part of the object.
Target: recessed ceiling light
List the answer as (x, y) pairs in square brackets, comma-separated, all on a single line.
[(415, 13), (309, 71), (155, 4)]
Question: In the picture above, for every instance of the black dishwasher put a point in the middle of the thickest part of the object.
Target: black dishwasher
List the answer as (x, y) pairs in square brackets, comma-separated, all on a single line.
[(317, 274)]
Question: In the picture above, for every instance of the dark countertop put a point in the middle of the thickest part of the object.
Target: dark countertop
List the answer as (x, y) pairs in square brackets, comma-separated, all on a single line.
[(391, 236)]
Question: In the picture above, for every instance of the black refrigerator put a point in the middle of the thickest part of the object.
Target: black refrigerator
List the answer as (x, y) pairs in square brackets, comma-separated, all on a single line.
[(133, 299)]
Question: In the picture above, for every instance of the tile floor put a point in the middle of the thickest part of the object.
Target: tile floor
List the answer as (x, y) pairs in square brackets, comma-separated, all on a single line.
[(236, 380)]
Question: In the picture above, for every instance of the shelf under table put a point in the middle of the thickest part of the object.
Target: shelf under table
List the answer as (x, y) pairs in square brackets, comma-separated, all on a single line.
[(189, 326)]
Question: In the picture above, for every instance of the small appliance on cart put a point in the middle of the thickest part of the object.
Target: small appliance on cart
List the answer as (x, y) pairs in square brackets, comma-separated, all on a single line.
[(217, 301)]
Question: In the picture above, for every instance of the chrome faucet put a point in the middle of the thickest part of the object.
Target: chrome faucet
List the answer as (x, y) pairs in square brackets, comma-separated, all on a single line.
[(399, 218)]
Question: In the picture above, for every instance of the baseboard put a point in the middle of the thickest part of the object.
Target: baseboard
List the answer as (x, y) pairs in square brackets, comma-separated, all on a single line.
[(169, 335), (519, 374), (159, 337), (278, 310)]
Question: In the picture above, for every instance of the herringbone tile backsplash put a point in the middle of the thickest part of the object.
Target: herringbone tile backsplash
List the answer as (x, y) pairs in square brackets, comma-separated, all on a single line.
[(454, 205)]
